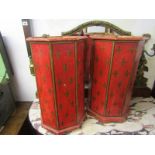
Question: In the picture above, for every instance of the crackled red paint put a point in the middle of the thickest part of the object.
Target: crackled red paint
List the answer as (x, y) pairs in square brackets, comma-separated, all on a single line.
[(59, 70), (115, 63)]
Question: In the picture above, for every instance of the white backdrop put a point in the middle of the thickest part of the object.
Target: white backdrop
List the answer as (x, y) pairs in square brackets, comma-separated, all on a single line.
[(24, 85)]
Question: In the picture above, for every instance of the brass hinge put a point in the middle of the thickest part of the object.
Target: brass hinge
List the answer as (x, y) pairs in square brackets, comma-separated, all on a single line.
[(31, 66)]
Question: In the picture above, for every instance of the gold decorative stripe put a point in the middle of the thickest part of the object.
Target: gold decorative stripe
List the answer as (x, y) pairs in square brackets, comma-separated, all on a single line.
[(54, 84), (56, 42), (91, 73), (62, 42), (38, 42), (49, 42), (76, 79), (121, 41), (109, 77)]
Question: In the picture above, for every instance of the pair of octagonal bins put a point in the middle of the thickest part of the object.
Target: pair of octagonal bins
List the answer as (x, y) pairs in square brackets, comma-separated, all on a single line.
[(59, 64)]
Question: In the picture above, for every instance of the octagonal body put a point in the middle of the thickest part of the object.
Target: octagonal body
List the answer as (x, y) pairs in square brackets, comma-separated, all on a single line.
[(113, 71), (59, 71)]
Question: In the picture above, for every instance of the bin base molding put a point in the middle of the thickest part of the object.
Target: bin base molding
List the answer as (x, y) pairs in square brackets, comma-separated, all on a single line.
[(66, 130), (107, 119)]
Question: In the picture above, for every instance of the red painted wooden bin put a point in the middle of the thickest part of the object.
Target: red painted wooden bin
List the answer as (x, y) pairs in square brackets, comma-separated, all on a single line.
[(59, 70), (114, 67)]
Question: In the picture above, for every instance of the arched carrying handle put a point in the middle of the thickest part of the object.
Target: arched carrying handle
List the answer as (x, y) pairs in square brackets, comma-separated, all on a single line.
[(109, 28)]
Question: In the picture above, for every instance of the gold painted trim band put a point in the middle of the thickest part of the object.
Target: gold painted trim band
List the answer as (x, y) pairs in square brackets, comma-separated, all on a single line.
[(55, 42), (76, 79), (54, 85), (91, 73), (109, 77), (121, 41)]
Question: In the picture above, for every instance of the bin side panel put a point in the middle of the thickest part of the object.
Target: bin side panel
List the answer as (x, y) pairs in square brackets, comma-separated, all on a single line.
[(64, 70), (122, 70), (42, 65), (136, 63), (102, 57)]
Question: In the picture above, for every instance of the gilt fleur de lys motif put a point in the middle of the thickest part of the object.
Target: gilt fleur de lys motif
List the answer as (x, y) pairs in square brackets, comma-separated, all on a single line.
[(115, 103), (59, 82), (115, 73), (118, 49), (126, 73), (65, 67), (119, 84), (101, 72), (131, 49), (58, 54), (66, 114), (69, 53), (67, 93), (104, 85), (70, 80), (49, 90), (111, 94), (123, 62)]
